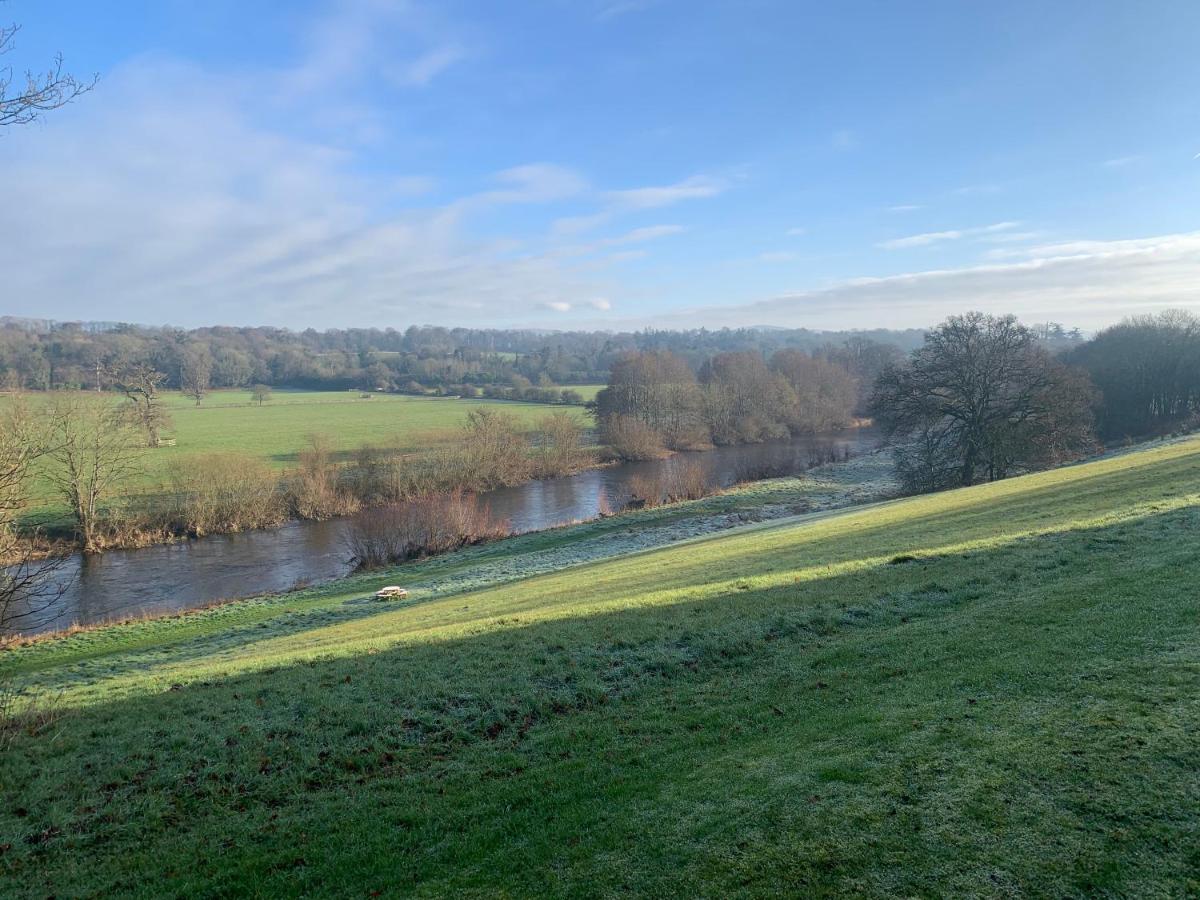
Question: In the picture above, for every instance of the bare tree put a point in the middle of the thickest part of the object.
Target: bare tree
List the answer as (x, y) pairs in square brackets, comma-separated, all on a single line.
[(744, 401), (980, 399), (195, 372), (139, 383), (31, 584), (95, 452), (495, 450), (28, 586), (24, 100), (659, 390), (825, 392)]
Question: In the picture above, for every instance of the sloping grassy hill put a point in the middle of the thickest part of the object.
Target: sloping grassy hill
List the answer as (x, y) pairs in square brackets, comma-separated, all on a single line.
[(987, 692)]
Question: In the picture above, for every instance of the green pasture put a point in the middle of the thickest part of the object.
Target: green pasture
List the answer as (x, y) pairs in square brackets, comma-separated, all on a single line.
[(280, 428), (587, 391)]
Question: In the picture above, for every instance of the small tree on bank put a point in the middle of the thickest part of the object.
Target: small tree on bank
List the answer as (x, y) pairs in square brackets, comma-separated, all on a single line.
[(95, 452), (560, 449), (980, 400)]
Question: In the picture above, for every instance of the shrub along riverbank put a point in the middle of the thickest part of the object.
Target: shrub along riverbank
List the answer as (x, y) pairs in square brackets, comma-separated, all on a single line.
[(92, 474), (89, 475)]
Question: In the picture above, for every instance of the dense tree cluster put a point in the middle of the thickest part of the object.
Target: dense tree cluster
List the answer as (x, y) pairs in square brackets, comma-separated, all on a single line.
[(1148, 372), (654, 400)]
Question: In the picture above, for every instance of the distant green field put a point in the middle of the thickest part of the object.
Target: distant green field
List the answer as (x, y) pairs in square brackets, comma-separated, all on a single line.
[(279, 429), (990, 692), (588, 391)]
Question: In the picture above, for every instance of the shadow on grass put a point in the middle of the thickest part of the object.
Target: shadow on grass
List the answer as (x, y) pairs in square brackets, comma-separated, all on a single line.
[(639, 744)]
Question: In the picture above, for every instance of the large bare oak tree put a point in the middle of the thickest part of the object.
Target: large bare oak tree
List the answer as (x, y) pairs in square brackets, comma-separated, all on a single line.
[(979, 401)]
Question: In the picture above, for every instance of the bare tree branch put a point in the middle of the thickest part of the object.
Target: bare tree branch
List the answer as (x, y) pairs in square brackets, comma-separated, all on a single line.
[(29, 582), (24, 100)]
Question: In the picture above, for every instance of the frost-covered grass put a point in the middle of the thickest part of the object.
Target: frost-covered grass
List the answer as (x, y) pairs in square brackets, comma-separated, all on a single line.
[(984, 692)]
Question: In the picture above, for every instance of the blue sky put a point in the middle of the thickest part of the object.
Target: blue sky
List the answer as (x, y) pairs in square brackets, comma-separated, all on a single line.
[(607, 163)]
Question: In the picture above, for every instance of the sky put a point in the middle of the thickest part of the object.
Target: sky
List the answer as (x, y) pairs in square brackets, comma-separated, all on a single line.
[(606, 163)]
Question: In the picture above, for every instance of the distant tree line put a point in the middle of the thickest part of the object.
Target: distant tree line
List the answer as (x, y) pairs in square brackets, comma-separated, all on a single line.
[(42, 355)]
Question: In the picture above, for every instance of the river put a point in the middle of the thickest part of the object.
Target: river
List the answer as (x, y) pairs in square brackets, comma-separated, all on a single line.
[(167, 578)]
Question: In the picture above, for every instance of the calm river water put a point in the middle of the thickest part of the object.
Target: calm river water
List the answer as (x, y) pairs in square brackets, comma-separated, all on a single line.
[(171, 577)]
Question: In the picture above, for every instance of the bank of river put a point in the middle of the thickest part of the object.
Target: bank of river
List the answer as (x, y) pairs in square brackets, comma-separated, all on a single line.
[(169, 578)]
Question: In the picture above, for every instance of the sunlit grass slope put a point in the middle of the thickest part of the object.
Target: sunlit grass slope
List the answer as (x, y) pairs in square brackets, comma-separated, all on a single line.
[(990, 692)]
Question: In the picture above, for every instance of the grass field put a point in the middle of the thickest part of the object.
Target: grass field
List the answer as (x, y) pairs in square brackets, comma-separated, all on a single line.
[(279, 429), (987, 692), (587, 391)]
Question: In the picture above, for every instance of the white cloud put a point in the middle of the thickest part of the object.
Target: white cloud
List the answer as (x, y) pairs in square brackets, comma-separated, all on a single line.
[(776, 256), (648, 233), (561, 306), (693, 188), (904, 207), (937, 237), (971, 190), (920, 240), (532, 183), (796, 232), (1085, 283), (1011, 237), (635, 236), (413, 185), (1120, 162), (166, 199), (395, 41), (601, 303), (422, 70), (615, 204)]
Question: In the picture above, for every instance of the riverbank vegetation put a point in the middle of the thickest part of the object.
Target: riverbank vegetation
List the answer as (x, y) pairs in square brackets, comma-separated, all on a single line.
[(911, 699), (277, 433), (656, 402), (418, 527)]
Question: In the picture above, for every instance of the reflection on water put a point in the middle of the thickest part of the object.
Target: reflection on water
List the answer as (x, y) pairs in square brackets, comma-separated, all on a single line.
[(171, 577)]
